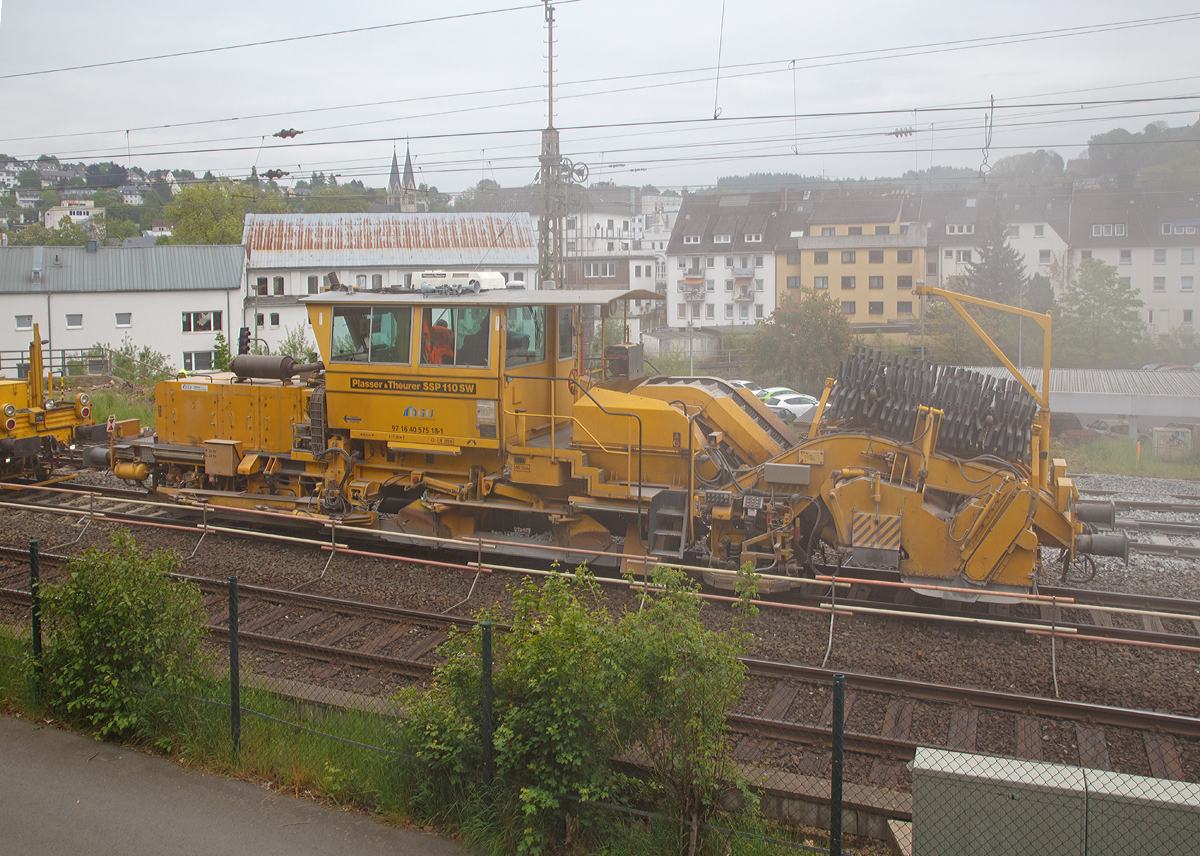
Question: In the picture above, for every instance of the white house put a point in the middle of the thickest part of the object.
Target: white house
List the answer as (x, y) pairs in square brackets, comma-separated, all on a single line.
[(289, 256), (172, 299), (82, 212)]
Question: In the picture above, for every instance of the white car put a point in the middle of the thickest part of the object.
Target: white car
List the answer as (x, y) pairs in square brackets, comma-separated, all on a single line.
[(746, 384), (794, 403)]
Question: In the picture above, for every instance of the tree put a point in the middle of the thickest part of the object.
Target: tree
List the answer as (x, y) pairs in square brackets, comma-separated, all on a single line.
[(802, 343), (1041, 165), (29, 179), (67, 234), (221, 355), (112, 231), (335, 200), (1099, 325), (106, 174), (49, 199), (295, 344), (51, 159), (214, 214)]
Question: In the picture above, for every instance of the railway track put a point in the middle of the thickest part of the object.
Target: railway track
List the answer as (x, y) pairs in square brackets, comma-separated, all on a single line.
[(333, 633)]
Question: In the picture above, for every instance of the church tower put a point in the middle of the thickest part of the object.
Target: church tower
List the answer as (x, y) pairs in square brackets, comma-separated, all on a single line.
[(402, 191)]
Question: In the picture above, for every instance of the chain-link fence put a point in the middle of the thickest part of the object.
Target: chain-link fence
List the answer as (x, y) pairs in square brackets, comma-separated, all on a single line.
[(975, 804)]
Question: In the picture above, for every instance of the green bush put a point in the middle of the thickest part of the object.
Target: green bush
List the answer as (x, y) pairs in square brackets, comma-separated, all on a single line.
[(122, 638), (574, 689)]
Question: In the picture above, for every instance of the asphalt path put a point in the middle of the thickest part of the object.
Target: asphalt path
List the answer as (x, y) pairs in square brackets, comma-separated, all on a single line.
[(62, 794)]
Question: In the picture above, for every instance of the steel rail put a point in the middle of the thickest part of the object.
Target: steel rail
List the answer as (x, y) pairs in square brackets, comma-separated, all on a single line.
[(1119, 717)]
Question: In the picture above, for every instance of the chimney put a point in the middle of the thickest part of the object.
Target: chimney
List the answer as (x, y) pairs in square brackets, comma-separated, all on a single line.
[(92, 246), (783, 199)]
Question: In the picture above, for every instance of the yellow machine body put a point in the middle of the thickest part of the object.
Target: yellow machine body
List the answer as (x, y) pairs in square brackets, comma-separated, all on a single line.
[(456, 414), (38, 419)]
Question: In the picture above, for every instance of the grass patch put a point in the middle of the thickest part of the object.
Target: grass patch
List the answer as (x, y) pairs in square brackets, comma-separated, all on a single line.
[(1120, 457), (135, 404)]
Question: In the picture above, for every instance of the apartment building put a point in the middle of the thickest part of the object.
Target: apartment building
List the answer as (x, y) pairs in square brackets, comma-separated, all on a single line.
[(721, 260), (862, 249), (1152, 239)]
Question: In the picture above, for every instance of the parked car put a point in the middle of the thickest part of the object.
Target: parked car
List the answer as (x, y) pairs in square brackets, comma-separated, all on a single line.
[(794, 403), (746, 384), (771, 391)]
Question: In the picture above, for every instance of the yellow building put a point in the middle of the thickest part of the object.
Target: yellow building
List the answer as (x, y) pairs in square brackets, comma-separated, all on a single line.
[(868, 264)]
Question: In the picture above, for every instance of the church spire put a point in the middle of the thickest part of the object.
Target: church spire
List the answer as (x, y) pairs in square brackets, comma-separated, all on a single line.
[(409, 181), (394, 186)]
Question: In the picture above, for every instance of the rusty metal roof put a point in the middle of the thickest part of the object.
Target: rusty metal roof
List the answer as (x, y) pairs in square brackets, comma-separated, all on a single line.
[(275, 241)]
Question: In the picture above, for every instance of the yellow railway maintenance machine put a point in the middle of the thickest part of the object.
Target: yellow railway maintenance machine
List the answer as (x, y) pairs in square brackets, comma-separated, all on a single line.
[(454, 413), (36, 425)]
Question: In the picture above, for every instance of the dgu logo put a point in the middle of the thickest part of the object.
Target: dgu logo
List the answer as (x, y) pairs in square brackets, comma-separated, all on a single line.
[(418, 413)]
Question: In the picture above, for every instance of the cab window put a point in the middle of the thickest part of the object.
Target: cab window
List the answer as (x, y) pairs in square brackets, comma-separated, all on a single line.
[(566, 332), (371, 334), (525, 340), (455, 336)]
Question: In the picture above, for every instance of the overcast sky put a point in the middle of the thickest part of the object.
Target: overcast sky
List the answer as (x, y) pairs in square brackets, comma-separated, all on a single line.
[(453, 85)]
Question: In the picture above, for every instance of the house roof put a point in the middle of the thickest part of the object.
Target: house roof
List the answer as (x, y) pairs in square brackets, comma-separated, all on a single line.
[(385, 240), (215, 267), (703, 216)]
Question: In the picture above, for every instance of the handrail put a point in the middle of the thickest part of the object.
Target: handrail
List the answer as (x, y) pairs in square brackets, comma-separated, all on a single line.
[(508, 378)]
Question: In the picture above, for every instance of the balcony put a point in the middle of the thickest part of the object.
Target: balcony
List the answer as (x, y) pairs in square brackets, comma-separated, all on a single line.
[(737, 271), (745, 293), (694, 295)]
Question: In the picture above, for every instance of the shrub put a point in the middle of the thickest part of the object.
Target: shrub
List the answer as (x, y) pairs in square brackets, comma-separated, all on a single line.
[(116, 626)]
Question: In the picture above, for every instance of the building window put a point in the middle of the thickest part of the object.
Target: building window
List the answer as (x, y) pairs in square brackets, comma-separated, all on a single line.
[(682, 263), (1126, 257), (874, 282), (710, 285), (197, 361), (377, 280), (1043, 257), (1127, 281), (847, 282), (820, 282), (637, 271), (729, 261), (931, 268), (601, 269), (124, 319), (758, 285), (201, 322), (793, 282), (360, 281), (1160, 283), (904, 257), (854, 230), (681, 311), (962, 256), (847, 307), (519, 275), (821, 257), (722, 239), (24, 322), (729, 285), (274, 320), (1039, 231), (571, 246), (1187, 316), (960, 228), (260, 286), (1014, 231), (1150, 317), (710, 262), (729, 311), (758, 261), (904, 282), (278, 283), (754, 238), (1160, 257), (875, 257), (1185, 284), (744, 312), (313, 286), (875, 307), (1086, 254), (849, 257), (828, 231), (709, 311), (793, 258), (258, 320), (904, 307), (1187, 257), (691, 239), (758, 310), (883, 230), (949, 254)]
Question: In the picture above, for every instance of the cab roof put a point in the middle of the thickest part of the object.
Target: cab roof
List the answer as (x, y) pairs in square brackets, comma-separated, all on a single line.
[(488, 297)]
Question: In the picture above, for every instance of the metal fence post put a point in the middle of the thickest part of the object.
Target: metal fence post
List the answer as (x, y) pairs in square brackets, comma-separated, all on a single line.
[(485, 702), (35, 610), (835, 785), (235, 689)]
